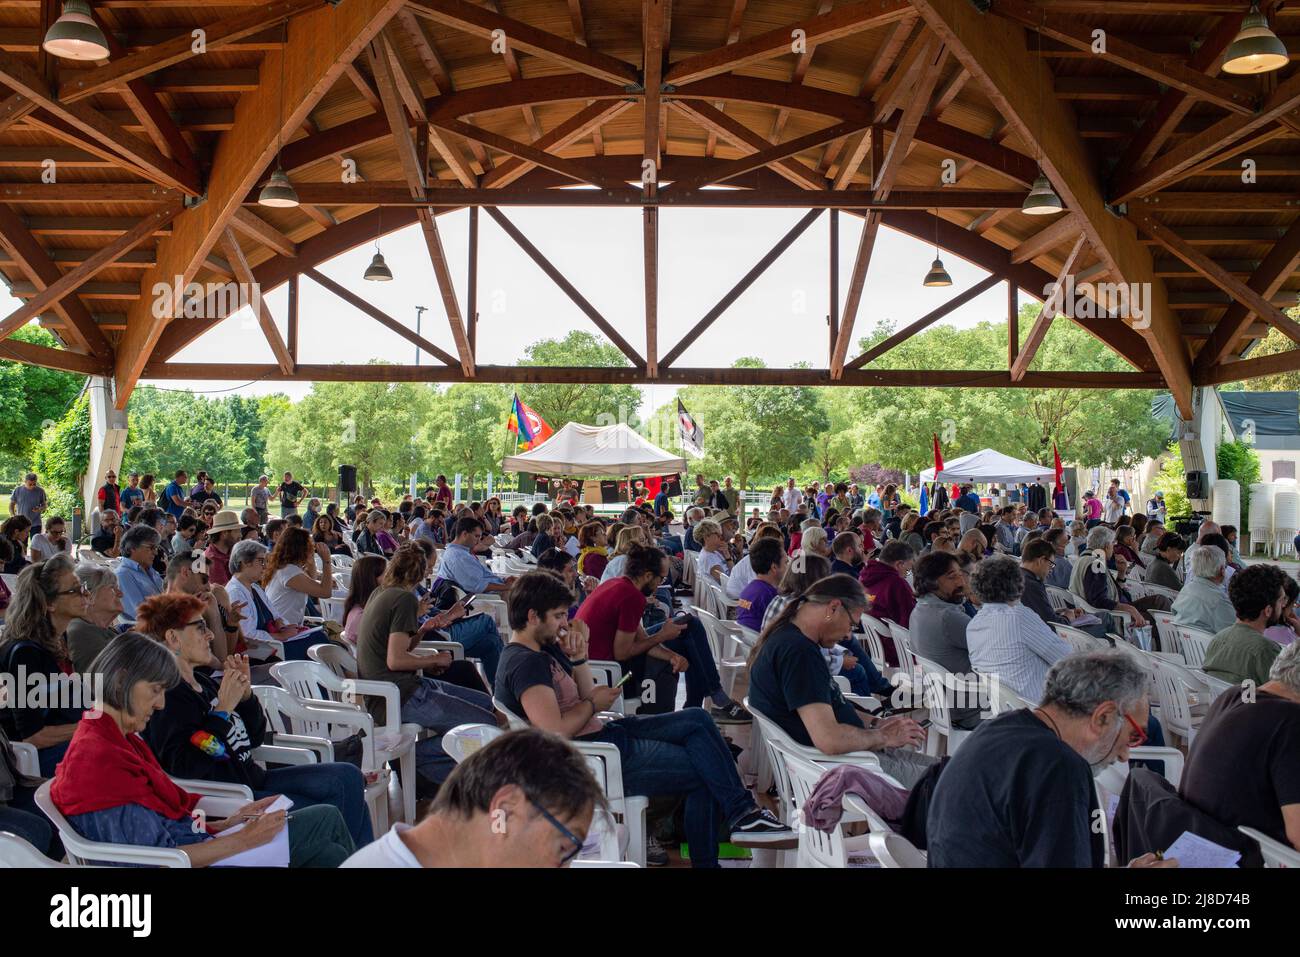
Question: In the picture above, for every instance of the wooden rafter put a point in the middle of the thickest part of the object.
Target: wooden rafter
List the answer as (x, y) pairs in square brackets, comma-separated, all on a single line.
[(563, 134), (1046, 239), (1242, 292), (845, 21), (255, 227), (745, 282), (995, 53), (461, 15), (374, 312), (322, 42), (769, 155), (22, 79), (18, 242), (929, 319), (566, 287), (1280, 263), (94, 263), (575, 169), (801, 66), (265, 320), (719, 123), (1043, 321)]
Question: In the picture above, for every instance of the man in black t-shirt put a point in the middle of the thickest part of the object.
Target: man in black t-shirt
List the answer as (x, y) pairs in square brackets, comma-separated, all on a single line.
[(790, 683), (1244, 766), (110, 534), (290, 495), (1020, 791)]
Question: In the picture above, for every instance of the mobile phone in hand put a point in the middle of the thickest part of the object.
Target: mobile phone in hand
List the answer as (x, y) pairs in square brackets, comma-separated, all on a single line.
[(470, 600)]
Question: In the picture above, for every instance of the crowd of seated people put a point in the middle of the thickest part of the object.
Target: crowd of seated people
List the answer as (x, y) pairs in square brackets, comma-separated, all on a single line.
[(220, 592)]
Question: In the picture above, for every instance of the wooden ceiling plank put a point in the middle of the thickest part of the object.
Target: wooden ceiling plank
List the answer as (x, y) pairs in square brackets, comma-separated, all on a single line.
[(559, 136), (257, 228)]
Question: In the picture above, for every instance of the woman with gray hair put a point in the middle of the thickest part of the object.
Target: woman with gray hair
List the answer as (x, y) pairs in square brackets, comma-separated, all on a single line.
[(1020, 791), (1098, 578), (47, 597), (258, 624), (112, 789), (90, 631), (1245, 768), (136, 574), (1006, 638)]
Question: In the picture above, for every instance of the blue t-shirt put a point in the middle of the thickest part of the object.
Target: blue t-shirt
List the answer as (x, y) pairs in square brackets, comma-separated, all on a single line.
[(130, 497), (661, 504), (174, 488)]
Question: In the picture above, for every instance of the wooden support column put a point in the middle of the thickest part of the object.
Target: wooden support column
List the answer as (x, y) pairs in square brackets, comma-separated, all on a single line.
[(471, 302), (1013, 323), (293, 319)]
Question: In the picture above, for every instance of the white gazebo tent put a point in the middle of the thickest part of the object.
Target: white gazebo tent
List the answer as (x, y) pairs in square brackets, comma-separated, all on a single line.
[(591, 451), (987, 466)]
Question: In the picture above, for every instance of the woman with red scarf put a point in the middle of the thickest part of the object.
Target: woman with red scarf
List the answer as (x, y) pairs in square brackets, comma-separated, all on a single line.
[(111, 788)]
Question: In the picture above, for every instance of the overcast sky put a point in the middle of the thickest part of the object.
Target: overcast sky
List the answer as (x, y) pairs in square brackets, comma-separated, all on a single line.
[(703, 252)]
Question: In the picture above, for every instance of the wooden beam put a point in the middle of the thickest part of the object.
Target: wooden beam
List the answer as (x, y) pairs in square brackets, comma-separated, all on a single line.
[(567, 287), (734, 293), (1166, 169), (1046, 314), (255, 227), (471, 283), (1240, 369), (318, 45), (929, 319), (292, 342), (133, 66), (994, 51), (1046, 239), (1013, 324), (650, 244), (1247, 200), (22, 79), (477, 21), (765, 157), (857, 282), (1238, 290), (374, 312), (18, 241), (733, 34), (86, 193), (624, 375), (1166, 70), (800, 73), (1267, 279), (264, 318), (1174, 104), (563, 134), (653, 14), (574, 169), (733, 131), (13, 108), (70, 281), (847, 20), (61, 359)]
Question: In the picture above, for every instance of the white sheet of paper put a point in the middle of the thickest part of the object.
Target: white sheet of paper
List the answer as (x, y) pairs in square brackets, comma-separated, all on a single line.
[(1192, 850), (274, 853)]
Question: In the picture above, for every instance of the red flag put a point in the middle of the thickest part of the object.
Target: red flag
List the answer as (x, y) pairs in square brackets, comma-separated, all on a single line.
[(1060, 472), (938, 456)]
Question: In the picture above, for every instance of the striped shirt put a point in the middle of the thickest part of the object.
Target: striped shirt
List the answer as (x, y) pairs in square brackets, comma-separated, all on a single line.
[(1012, 642)]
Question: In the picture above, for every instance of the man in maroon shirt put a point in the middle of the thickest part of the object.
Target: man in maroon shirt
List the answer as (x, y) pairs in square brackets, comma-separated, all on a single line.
[(885, 579), (612, 614)]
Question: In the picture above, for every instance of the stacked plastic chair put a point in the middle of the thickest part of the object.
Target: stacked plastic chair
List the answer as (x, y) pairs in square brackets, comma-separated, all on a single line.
[(1260, 516), (1286, 519)]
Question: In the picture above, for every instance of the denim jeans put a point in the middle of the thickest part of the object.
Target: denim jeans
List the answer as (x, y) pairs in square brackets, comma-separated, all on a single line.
[(318, 837), (479, 635), (335, 784), (876, 683), (683, 753), (440, 706), (672, 544), (702, 677), (33, 828), (50, 757)]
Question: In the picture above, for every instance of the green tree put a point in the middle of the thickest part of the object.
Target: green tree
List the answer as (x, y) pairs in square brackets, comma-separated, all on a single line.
[(1271, 345), (168, 430), (248, 425), (31, 397), (62, 456), (1172, 481), (836, 448), (560, 403), (372, 425), (466, 430)]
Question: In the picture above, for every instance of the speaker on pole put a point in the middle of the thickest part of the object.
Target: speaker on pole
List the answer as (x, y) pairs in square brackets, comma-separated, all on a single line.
[(347, 479), (1198, 485)]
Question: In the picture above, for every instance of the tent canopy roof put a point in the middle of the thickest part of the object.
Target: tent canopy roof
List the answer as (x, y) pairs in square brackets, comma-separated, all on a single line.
[(595, 450), (988, 465)]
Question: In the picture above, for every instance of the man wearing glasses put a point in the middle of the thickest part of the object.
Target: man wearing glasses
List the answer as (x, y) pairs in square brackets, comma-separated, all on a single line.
[(1020, 791), (527, 799), (1037, 560), (136, 575)]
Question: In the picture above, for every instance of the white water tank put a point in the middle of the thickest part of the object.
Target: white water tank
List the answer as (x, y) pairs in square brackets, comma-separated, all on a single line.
[(1261, 506), (1286, 510), (1225, 501)]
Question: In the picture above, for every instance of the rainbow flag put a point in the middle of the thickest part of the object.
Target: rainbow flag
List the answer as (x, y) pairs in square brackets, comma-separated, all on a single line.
[(528, 425)]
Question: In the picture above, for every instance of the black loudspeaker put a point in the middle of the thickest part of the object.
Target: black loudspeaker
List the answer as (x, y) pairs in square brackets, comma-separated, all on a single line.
[(1198, 485), (348, 478)]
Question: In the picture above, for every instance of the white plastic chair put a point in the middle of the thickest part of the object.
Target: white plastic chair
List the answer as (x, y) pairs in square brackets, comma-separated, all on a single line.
[(1079, 640), (1192, 644), (941, 687), (1174, 684), (27, 759), (315, 685), (342, 561), (1002, 698), (219, 800), (610, 673), (17, 853), (724, 637), (894, 851), (1165, 626), (1276, 854), (466, 739), (1060, 598), (875, 648), (607, 764)]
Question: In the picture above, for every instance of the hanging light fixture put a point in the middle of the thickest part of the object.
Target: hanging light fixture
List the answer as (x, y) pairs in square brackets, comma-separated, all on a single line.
[(278, 192), (76, 35), (937, 276), (1042, 199), (378, 270), (1256, 49)]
